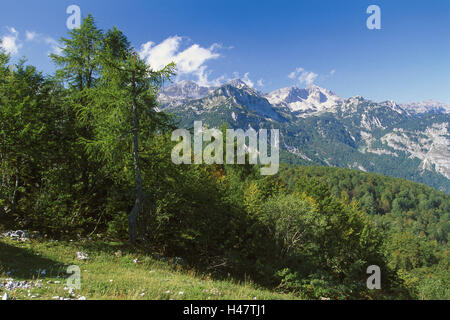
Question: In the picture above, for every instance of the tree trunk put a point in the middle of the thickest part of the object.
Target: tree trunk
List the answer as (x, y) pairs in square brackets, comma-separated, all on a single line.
[(14, 195), (132, 219), (134, 214)]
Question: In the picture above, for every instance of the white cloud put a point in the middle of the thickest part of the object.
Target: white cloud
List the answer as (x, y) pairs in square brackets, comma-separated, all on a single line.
[(260, 83), (10, 41), (303, 76), (202, 78), (247, 80), (30, 35), (54, 45), (162, 54), (307, 78), (293, 74), (189, 61), (193, 58)]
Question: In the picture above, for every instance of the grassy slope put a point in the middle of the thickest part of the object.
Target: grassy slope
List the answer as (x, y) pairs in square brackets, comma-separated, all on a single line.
[(108, 276)]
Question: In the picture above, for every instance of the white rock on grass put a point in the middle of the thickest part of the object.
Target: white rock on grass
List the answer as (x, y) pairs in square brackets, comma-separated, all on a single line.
[(82, 256), (19, 235), (13, 285)]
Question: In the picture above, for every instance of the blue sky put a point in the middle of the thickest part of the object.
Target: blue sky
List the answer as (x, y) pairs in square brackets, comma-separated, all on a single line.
[(264, 42)]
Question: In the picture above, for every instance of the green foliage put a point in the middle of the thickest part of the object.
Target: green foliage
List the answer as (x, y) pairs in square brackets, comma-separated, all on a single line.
[(79, 62), (295, 223), (413, 220)]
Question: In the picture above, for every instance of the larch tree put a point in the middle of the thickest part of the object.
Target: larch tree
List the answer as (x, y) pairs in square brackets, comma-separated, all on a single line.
[(123, 112), (79, 70)]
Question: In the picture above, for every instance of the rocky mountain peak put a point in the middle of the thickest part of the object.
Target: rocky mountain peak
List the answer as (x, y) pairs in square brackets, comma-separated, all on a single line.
[(313, 99), (427, 107)]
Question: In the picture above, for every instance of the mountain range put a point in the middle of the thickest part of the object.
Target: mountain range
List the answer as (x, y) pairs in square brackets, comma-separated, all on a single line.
[(317, 126)]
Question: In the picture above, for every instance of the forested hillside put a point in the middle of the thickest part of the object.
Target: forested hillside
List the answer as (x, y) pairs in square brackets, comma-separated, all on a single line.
[(85, 153)]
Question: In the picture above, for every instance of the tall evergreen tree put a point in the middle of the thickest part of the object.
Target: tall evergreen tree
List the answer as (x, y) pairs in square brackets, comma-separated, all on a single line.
[(79, 63), (79, 68), (32, 125), (123, 113)]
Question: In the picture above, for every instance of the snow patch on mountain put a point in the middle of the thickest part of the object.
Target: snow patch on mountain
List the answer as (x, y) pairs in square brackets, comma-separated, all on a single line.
[(303, 102), (181, 93), (428, 106), (239, 93)]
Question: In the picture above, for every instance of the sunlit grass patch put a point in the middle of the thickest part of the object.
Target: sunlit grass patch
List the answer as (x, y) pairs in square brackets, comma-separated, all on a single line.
[(112, 271)]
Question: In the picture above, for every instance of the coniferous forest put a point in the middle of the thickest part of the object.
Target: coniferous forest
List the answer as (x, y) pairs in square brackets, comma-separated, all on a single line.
[(84, 153)]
